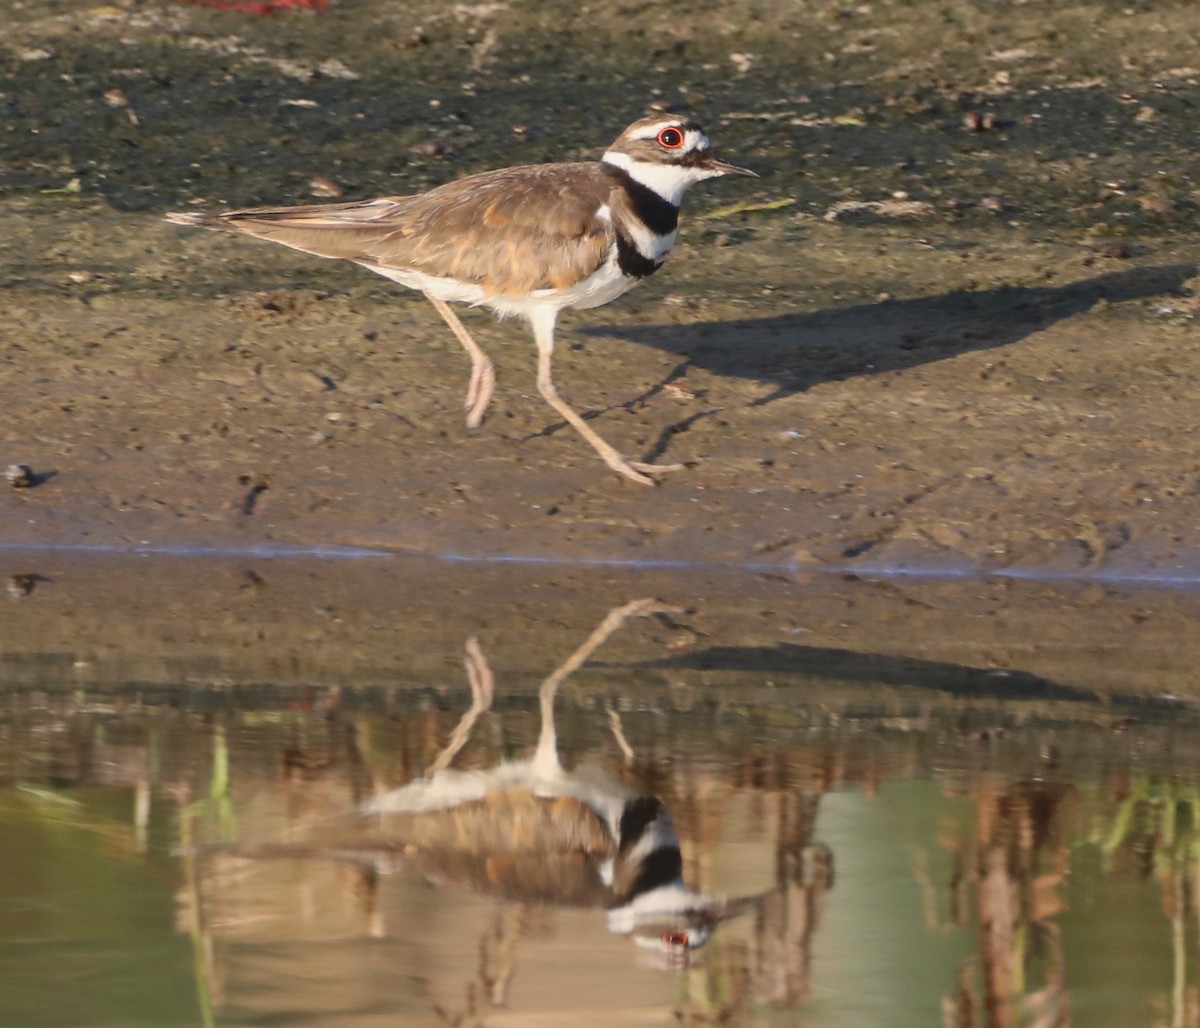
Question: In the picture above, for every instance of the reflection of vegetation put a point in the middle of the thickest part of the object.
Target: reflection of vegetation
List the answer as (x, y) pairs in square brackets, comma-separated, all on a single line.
[(1156, 832), (1008, 873), (192, 917), (1155, 824), (1008, 885), (217, 807), (212, 817)]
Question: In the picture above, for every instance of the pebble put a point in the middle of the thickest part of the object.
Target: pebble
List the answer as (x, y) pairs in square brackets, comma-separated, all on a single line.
[(319, 185), (20, 585), (19, 476), (979, 121)]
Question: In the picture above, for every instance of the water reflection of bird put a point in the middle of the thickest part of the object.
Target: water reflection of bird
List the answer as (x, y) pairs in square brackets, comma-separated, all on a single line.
[(531, 832)]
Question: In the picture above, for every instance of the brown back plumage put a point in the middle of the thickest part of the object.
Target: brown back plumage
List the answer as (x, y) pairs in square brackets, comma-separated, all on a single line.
[(508, 231)]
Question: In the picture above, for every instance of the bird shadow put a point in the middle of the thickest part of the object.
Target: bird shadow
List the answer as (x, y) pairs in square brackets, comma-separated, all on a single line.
[(797, 351)]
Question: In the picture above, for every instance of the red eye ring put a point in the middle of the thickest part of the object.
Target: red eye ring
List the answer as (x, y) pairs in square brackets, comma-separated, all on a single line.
[(670, 138), (675, 938)]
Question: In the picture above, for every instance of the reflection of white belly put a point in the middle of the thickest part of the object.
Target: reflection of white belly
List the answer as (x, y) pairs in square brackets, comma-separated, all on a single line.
[(604, 284)]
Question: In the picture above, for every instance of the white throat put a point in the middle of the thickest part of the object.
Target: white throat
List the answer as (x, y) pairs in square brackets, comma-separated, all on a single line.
[(667, 180)]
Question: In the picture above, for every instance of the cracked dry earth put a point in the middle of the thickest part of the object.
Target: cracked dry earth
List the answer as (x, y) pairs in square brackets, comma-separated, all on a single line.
[(924, 338)]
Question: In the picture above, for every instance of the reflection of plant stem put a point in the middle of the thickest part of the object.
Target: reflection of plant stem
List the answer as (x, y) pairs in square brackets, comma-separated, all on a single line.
[(219, 801), (201, 945), (1121, 823), (1178, 949), (929, 898), (1160, 819)]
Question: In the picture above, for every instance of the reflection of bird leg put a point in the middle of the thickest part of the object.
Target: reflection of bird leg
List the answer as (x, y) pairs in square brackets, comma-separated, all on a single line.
[(614, 723), (546, 757), (483, 689), (498, 952)]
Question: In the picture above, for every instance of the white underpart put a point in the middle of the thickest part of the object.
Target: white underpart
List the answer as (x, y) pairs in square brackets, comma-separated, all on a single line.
[(670, 181), (665, 902), (658, 834), (604, 793), (652, 247), (606, 283)]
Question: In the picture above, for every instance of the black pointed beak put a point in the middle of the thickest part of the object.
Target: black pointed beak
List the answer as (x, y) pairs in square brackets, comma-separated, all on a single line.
[(712, 162)]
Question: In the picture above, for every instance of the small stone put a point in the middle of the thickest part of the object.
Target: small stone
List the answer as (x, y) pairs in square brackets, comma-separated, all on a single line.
[(741, 62), (679, 389), (319, 185), (521, 131), (79, 277), (992, 203), (1161, 205), (1118, 251), (19, 476), (432, 148), (979, 121), (20, 585), (332, 68)]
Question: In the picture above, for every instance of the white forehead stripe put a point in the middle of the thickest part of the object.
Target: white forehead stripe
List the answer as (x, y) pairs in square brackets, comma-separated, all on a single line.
[(693, 139)]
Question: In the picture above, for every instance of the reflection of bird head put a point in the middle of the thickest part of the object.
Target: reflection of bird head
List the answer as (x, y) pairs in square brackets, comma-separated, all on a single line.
[(677, 924), (650, 902)]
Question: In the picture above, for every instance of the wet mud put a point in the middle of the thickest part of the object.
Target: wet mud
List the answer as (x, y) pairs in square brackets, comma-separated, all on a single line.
[(951, 327)]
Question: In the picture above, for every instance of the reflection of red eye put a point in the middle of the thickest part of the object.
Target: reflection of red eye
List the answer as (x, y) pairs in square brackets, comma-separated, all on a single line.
[(675, 938), (671, 138)]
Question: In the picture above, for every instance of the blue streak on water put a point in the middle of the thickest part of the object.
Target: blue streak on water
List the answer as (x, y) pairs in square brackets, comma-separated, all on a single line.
[(1175, 579)]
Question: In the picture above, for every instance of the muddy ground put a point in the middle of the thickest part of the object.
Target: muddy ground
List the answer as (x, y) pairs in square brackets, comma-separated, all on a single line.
[(923, 345)]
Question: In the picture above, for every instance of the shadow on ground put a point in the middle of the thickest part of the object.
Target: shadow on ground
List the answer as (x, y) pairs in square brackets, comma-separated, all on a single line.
[(796, 351)]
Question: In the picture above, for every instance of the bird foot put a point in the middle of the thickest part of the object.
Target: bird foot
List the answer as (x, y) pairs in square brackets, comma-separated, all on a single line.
[(640, 472), (479, 392)]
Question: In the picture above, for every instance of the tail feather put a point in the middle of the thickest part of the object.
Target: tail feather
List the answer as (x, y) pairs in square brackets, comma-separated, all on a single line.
[(325, 215), (190, 218)]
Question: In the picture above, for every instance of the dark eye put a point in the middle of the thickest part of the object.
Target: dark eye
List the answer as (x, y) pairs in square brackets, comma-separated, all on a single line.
[(671, 138), (674, 938)]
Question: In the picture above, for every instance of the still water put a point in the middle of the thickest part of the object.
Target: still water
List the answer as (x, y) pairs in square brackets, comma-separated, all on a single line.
[(310, 795)]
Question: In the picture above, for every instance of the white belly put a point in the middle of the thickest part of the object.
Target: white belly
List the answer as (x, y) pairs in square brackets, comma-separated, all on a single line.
[(604, 284)]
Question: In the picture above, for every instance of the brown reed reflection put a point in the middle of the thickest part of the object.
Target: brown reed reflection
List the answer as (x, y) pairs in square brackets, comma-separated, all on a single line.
[(1009, 869)]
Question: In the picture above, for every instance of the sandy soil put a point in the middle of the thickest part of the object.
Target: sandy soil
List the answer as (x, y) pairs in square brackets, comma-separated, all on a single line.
[(931, 347)]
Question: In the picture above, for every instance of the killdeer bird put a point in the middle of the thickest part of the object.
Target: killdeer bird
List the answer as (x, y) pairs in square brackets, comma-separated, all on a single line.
[(527, 240)]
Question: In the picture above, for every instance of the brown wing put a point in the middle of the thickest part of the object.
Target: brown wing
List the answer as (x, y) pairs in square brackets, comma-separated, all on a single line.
[(511, 844), (507, 231)]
